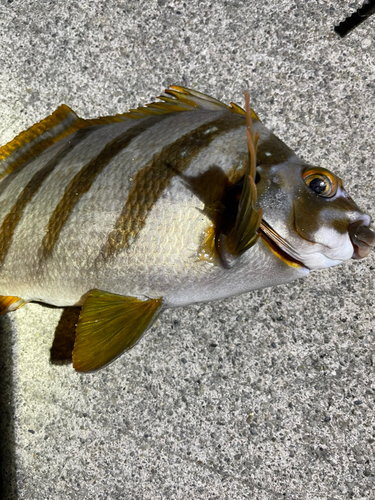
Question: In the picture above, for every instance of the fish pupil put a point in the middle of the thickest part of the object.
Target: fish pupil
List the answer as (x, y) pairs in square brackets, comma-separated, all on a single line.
[(318, 185)]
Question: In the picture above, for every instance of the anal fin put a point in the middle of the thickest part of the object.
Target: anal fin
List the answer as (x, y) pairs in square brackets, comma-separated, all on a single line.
[(108, 325), (9, 303)]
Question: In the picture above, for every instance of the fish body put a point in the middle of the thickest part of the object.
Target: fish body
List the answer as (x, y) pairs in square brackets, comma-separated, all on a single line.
[(157, 250), (156, 208)]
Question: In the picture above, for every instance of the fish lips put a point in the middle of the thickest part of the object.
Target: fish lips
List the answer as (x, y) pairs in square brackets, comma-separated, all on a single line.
[(362, 238)]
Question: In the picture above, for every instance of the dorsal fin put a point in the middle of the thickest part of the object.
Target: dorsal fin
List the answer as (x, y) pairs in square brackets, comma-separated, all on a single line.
[(180, 99), (64, 121)]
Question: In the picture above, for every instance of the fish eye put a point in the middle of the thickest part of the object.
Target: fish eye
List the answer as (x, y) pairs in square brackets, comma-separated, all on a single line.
[(321, 182)]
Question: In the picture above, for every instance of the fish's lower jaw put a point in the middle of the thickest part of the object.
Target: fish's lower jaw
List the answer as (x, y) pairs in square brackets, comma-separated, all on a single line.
[(324, 257), (319, 260), (315, 254)]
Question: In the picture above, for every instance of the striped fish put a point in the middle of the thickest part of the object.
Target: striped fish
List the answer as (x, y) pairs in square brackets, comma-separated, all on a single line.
[(182, 201)]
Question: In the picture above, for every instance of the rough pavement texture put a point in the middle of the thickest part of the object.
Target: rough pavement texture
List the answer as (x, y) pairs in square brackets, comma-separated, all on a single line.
[(265, 396)]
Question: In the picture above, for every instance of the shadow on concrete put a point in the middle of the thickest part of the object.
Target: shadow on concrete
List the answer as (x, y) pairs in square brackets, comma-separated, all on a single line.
[(65, 334), (8, 482)]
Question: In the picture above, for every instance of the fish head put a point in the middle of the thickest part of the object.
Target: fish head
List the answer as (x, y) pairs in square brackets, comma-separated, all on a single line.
[(309, 217)]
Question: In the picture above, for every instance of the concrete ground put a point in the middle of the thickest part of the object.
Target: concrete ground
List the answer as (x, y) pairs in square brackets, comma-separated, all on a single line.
[(265, 396)]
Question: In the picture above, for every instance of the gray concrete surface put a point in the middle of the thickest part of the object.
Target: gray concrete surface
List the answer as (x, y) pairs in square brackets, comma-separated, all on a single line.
[(265, 396)]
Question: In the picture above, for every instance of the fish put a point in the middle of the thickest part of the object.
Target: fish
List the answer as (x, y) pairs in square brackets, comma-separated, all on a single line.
[(181, 201)]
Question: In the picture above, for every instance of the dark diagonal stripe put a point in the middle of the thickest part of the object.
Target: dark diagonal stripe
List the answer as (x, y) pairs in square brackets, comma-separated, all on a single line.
[(6, 181), (12, 219), (83, 180), (153, 178)]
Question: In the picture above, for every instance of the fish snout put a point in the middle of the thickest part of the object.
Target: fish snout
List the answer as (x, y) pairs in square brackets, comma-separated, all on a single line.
[(362, 238)]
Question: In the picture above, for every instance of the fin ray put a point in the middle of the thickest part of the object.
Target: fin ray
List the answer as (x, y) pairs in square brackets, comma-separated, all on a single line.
[(179, 99), (9, 303), (108, 325)]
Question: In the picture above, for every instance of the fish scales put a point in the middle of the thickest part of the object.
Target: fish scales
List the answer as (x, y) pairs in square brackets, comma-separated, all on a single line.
[(15, 214), (71, 218), (112, 151), (157, 208), (156, 176)]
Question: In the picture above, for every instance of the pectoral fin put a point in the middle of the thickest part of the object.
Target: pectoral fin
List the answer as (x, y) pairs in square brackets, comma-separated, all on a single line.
[(244, 232), (8, 303), (108, 325)]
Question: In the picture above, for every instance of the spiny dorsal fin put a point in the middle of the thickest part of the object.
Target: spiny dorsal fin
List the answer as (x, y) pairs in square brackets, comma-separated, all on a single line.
[(244, 233), (179, 99), (9, 303), (108, 325)]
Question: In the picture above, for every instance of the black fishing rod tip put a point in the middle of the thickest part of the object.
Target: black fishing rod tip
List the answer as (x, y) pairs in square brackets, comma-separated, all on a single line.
[(355, 19)]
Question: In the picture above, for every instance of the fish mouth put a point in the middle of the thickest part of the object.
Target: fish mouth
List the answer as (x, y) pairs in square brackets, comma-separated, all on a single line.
[(362, 238), (280, 247)]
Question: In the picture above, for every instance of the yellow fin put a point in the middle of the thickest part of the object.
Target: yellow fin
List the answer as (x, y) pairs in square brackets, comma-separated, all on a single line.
[(180, 99), (9, 303), (108, 325), (241, 111)]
